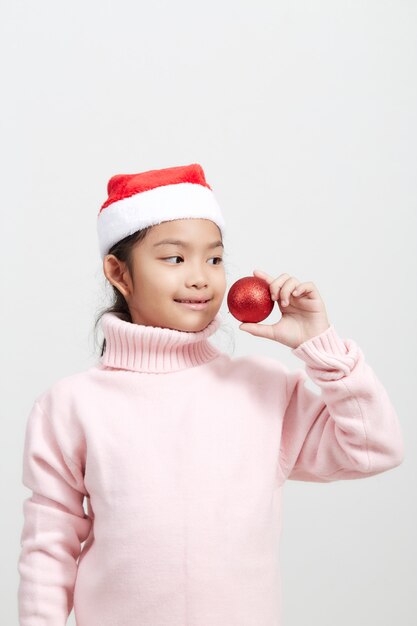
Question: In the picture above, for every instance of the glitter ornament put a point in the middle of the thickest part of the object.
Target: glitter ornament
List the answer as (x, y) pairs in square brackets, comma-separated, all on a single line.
[(249, 299)]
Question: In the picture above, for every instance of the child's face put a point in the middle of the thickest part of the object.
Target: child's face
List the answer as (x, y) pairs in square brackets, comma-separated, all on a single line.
[(168, 272)]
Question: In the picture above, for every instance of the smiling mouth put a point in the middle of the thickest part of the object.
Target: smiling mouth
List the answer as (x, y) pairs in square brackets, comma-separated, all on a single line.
[(193, 301)]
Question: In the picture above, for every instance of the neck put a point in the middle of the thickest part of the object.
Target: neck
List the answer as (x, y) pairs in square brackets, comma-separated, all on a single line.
[(154, 349)]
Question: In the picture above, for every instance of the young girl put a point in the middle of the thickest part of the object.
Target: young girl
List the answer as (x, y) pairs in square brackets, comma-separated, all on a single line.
[(180, 450)]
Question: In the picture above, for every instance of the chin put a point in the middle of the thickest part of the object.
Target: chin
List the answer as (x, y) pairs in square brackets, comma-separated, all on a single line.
[(196, 326)]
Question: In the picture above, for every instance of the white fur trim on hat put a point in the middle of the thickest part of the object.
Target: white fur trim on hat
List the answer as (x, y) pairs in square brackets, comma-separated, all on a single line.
[(165, 203)]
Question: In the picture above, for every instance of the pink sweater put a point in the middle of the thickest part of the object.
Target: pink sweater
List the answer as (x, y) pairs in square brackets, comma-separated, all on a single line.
[(181, 453)]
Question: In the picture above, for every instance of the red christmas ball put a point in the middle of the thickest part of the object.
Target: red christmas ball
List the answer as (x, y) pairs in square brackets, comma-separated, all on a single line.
[(249, 299)]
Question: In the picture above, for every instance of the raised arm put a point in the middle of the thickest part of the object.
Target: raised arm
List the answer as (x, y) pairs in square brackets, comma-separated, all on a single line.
[(349, 431)]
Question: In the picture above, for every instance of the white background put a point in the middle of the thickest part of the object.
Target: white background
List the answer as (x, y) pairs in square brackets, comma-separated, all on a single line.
[(303, 116)]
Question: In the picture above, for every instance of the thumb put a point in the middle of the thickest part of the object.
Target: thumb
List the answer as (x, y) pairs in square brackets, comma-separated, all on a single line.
[(259, 330)]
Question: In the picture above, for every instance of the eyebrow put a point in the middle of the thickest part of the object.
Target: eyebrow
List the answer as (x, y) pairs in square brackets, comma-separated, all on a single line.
[(184, 244)]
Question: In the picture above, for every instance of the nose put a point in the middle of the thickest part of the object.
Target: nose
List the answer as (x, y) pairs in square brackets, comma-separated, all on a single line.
[(197, 277), (198, 282)]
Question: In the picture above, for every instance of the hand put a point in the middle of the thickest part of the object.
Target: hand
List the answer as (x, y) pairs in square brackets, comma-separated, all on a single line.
[(303, 312)]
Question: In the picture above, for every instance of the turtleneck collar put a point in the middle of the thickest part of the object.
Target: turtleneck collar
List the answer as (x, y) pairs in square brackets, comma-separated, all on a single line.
[(154, 349)]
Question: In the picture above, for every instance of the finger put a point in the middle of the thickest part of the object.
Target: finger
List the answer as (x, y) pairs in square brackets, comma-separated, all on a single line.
[(299, 290), (275, 284), (264, 275), (287, 289), (303, 289), (259, 330)]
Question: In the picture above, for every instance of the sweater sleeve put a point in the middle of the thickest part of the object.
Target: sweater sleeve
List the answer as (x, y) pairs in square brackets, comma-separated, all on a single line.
[(351, 429), (54, 526)]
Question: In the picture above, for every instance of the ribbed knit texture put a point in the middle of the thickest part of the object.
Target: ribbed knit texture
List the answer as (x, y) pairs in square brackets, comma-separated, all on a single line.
[(157, 475), (152, 349)]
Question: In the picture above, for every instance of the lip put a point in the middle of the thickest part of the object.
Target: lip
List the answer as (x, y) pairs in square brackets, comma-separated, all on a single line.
[(196, 306)]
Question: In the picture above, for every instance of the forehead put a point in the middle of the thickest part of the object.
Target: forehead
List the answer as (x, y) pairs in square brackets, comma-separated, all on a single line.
[(191, 230)]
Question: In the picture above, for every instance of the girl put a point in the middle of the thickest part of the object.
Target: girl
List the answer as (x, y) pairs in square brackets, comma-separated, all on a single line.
[(181, 451)]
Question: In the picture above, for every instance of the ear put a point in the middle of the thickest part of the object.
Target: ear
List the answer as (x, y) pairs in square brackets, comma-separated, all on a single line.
[(117, 274)]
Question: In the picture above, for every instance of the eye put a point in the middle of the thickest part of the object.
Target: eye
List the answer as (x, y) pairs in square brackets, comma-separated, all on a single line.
[(173, 257), (219, 259)]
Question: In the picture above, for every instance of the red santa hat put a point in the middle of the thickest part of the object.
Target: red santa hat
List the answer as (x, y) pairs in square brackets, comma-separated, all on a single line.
[(136, 201)]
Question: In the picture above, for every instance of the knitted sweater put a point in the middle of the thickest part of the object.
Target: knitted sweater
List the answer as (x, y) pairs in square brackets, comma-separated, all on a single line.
[(181, 453)]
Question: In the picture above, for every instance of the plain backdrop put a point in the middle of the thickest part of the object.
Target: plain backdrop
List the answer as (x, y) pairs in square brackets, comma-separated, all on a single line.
[(303, 115)]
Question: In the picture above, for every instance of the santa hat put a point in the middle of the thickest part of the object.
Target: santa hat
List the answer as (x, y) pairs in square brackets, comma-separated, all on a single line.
[(136, 201)]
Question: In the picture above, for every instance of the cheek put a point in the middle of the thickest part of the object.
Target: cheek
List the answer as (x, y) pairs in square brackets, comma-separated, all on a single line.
[(221, 283), (162, 281)]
